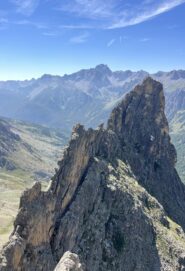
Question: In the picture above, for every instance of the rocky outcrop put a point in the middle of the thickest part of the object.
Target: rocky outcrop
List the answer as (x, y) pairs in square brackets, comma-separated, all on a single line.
[(69, 262), (141, 124), (116, 200)]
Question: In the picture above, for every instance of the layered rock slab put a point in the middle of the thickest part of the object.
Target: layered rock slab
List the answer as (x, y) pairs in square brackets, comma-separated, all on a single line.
[(106, 201)]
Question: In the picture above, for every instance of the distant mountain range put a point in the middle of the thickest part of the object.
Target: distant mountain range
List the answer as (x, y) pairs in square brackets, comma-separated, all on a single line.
[(86, 96), (30, 151)]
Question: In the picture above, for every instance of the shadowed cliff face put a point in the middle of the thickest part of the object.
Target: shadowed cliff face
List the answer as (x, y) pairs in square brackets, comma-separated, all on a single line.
[(140, 122), (116, 200), (142, 127)]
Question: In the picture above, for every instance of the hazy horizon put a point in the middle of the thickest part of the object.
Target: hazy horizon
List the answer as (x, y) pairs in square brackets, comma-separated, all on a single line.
[(87, 68)]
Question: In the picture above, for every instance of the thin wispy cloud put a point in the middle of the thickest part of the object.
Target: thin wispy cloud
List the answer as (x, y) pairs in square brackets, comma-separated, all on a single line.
[(144, 40), (73, 27), (173, 26), (112, 14), (3, 23), (51, 34), (3, 13), (110, 43), (26, 7), (146, 14), (89, 9), (31, 23), (88, 15), (82, 38)]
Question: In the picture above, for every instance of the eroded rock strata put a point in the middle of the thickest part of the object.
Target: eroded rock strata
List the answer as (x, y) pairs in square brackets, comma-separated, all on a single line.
[(116, 200)]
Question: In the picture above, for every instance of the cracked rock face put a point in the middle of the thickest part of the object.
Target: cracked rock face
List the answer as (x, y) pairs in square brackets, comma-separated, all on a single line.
[(116, 202)]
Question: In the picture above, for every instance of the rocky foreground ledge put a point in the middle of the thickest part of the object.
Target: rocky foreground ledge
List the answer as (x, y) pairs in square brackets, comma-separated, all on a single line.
[(69, 261), (116, 202)]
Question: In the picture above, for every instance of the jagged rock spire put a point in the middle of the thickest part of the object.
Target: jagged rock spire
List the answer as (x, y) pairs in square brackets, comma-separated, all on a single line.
[(106, 201), (140, 123)]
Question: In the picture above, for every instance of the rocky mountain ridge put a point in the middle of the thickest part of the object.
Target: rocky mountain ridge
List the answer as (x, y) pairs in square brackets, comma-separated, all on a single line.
[(116, 201), (28, 152), (87, 96)]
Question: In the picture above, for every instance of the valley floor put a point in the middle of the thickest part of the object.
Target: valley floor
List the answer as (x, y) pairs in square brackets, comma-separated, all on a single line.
[(34, 157)]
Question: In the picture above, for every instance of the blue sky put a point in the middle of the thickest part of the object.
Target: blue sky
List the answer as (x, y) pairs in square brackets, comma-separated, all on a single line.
[(63, 36)]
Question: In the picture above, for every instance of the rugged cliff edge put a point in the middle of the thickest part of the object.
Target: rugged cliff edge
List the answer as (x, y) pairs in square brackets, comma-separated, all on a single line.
[(116, 200)]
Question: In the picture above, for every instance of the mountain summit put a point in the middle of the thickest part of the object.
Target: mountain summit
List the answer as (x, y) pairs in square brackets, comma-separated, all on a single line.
[(116, 202), (141, 124)]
